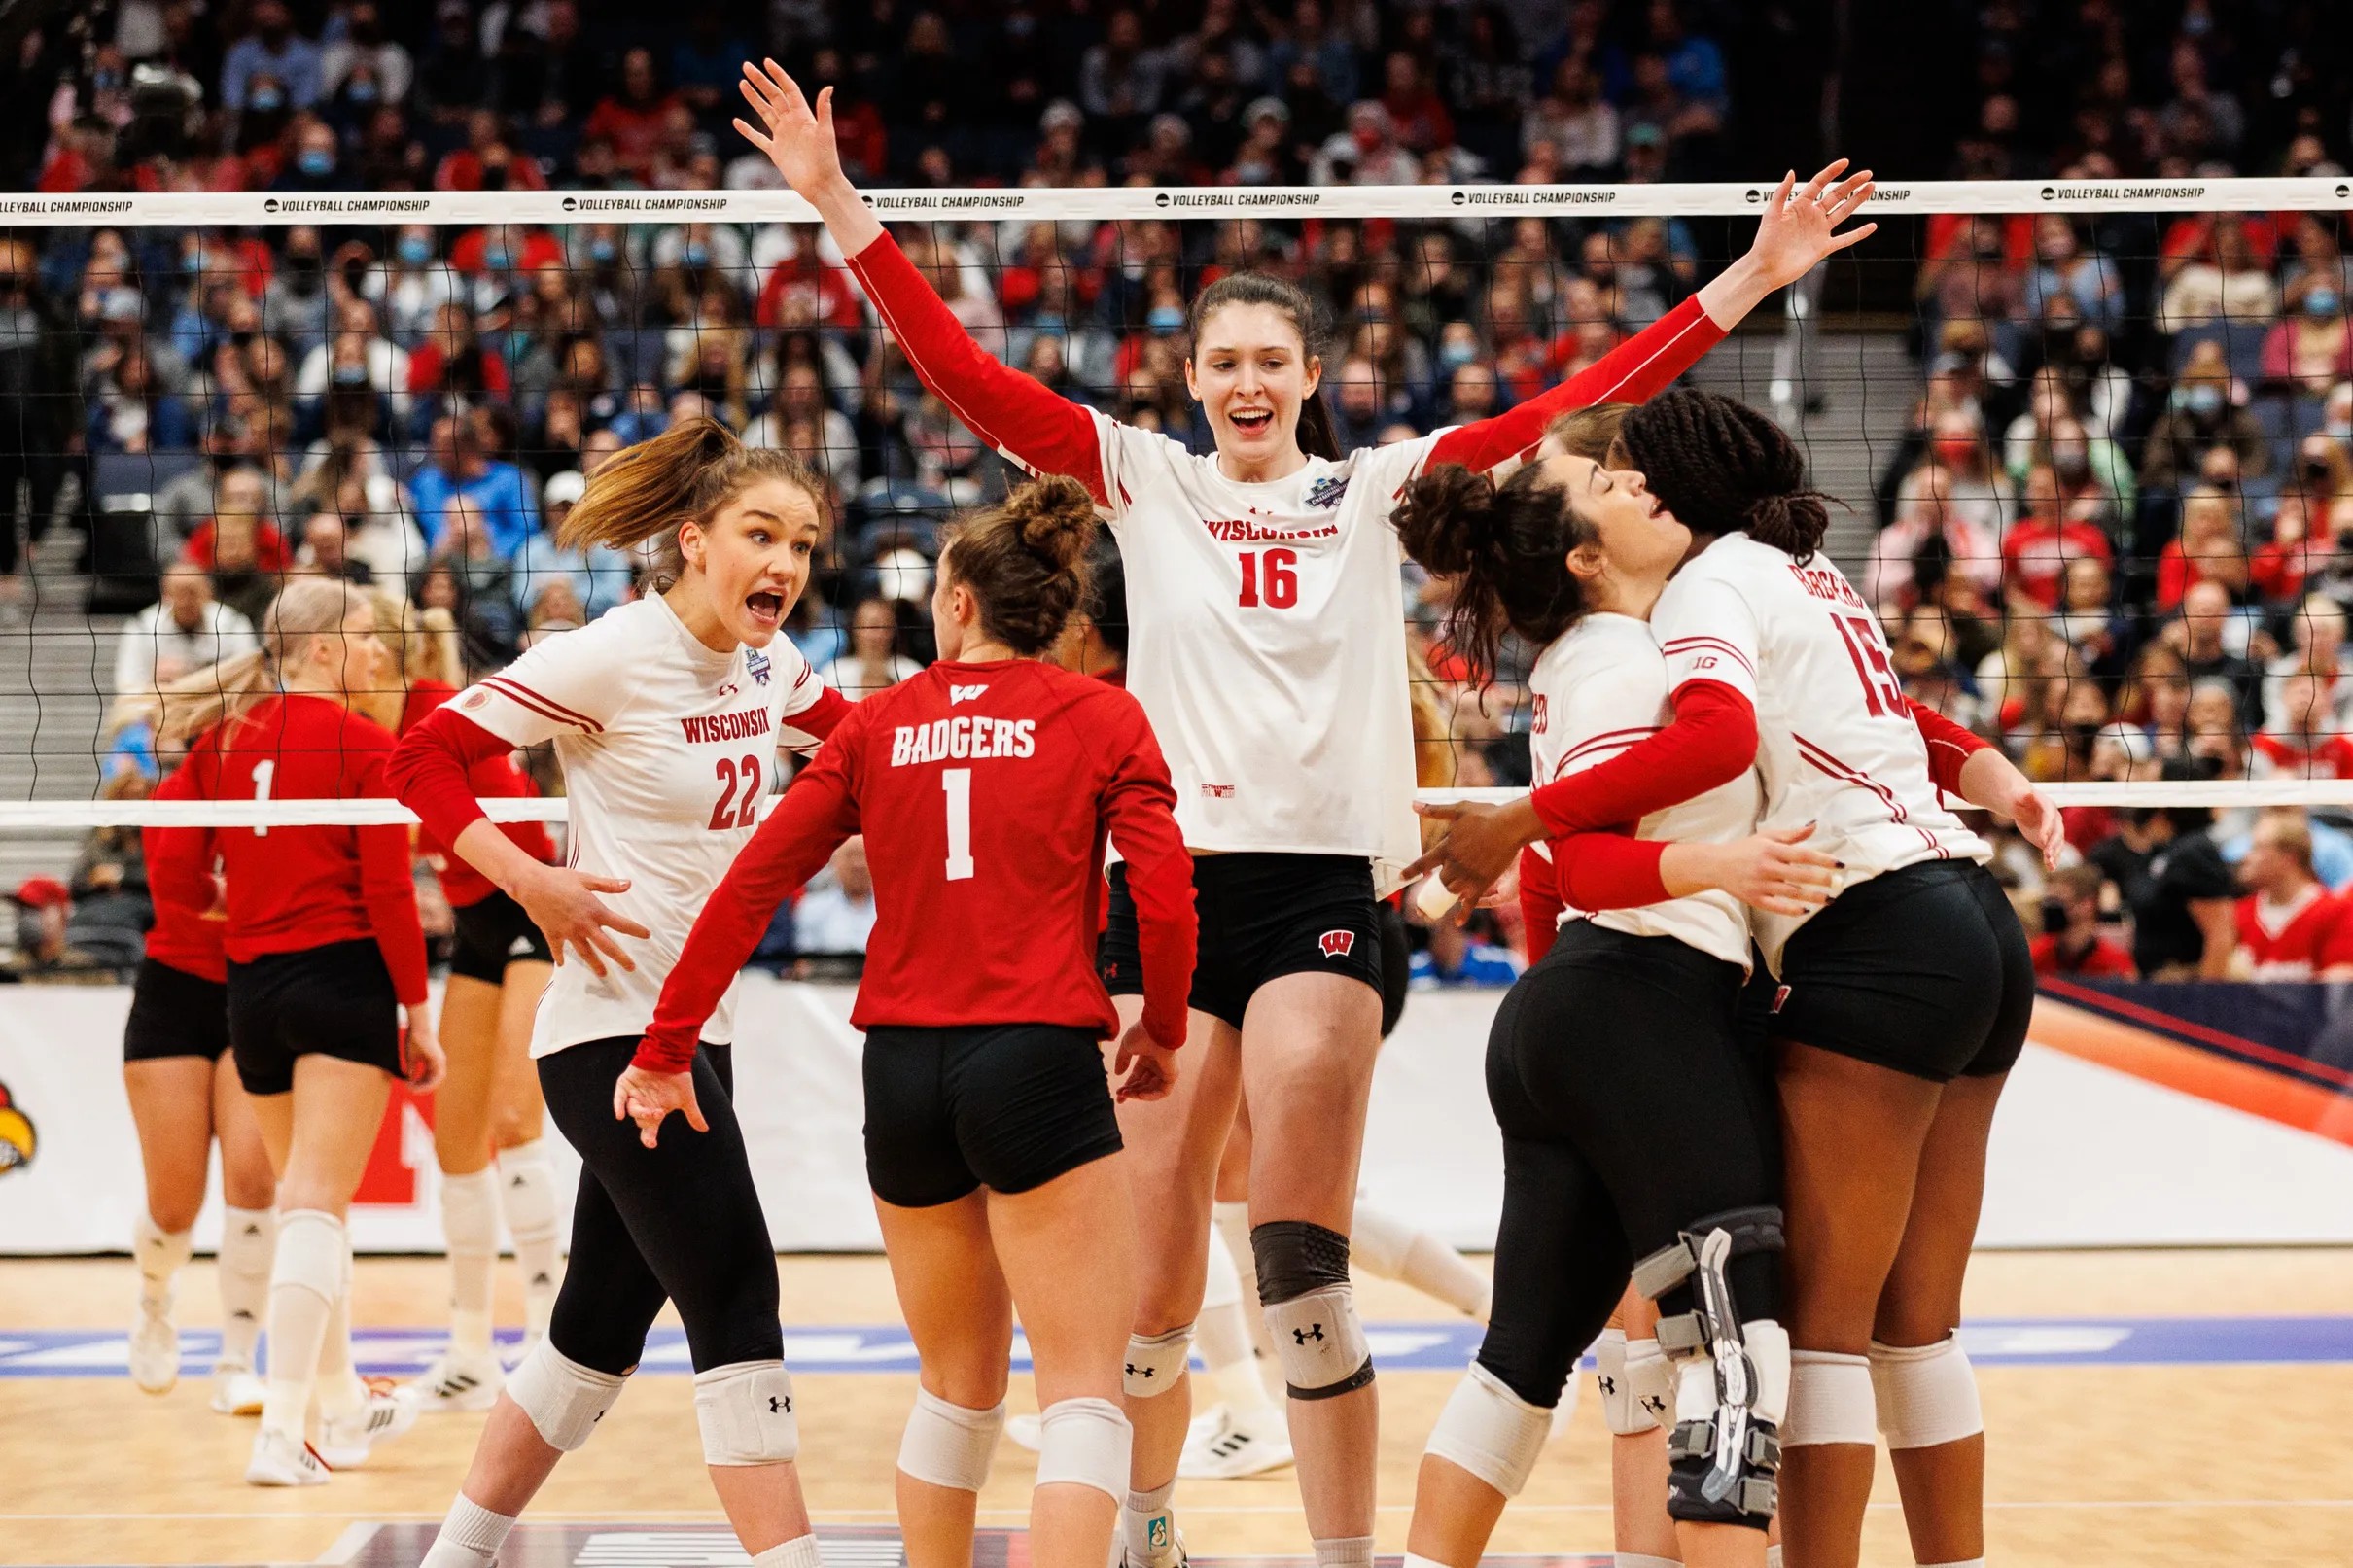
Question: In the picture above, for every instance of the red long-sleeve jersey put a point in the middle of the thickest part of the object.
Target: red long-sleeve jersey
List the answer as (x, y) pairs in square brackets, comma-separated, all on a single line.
[(184, 937), (294, 888), (490, 778), (993, 789)]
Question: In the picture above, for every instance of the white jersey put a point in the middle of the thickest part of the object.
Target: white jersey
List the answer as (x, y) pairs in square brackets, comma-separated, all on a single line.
[(668, 748), (1836, 742), (1600, 689), (1267, 643)]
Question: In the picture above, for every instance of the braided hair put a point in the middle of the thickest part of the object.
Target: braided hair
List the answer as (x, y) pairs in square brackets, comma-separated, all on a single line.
[(1723, 467)]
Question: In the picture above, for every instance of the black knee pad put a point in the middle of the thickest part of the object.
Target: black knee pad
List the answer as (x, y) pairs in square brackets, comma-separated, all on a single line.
[(1310, 1308)]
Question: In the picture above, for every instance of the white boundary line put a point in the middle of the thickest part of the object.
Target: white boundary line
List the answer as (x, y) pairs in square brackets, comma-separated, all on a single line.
[(36, 816), (1722, 198)]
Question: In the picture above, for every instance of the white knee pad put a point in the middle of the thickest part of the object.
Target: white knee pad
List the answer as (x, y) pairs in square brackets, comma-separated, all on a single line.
[(564, 1399), (1621, 1412), (311, 1253), (1830, 1401), (1319, 1342), (950, 1444), (1650, 1382), (1155, 1363), (746, 1412), (1926, 1395), (527, 1192), (1491, 1431), (1084, 1442)]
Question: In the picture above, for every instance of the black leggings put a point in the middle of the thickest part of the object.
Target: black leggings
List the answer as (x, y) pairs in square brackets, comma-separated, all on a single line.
[(1629, 1111), (678, 1221)]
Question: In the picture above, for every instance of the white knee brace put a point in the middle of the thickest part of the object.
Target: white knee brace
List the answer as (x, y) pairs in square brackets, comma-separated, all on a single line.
[(950, 1444), (1155, 1363), (1830, 1401), (1926, 1395), (1084, 1442), (1491, 1431), (746, 1412), (1636, 1384), (1321, 1343), (564, 1399)]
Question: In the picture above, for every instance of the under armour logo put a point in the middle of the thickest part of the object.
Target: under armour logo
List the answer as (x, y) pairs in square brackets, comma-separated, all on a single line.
[(242, 1315), (1653, 1403), (779, 1406), (1314, 1331), (541, 1279), (1147, 1372), (1609, 1386), (957, 694)]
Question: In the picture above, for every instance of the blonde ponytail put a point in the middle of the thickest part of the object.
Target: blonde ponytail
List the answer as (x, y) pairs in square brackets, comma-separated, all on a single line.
[(305, 610), (682, 475)]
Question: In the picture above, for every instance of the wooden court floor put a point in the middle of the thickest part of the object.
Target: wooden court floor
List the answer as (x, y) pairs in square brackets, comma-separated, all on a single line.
[(2156, 1466)]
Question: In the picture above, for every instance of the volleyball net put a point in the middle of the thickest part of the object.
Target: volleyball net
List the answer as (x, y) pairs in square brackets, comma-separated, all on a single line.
[(2092, 442)]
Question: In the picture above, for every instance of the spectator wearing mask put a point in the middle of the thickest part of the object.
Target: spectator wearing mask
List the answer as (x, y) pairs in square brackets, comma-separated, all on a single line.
[(2201, 635), (599, 577), (836, 914), (2037, 550), (240, 548), (2289, 925), (2071, 943), (460, 465), (273, 50), (2182, 893), (2202, 412), (187, 628), (2310, 349), (364, 46)]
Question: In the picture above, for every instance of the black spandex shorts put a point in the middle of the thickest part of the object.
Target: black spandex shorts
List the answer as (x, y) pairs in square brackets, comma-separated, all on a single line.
[(335, 1000), (175, 1014), (1923, 970), (492, 934), (1006, 1106), (1262, 917)]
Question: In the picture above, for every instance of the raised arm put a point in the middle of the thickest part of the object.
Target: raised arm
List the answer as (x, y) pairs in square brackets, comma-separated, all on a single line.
[(1799, 228), (1016, 415), (800, 836)]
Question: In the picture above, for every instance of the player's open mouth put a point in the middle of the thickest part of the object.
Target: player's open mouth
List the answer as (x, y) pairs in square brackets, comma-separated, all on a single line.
[(768, 609), (1657, 505), (1250, 421)]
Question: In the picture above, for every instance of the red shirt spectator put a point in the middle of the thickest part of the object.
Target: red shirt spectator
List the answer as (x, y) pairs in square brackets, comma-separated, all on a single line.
[(535, 248), (2036, 550), (2289, 926), (2101, 957), (632, 120), (271, 553), (2290, 756), (462, 170), (803, 287)]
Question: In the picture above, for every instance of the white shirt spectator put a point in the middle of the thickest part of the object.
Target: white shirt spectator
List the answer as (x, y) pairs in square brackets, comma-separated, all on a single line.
[(836, 914), (188, 629)]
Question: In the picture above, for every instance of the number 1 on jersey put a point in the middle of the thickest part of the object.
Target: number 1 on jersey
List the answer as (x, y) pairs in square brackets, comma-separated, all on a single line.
[(957, 783), (263, 773), (1280, 581)]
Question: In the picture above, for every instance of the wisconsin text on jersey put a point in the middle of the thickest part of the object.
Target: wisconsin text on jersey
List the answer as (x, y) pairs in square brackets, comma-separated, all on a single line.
[(1241, 531), (741, 725)]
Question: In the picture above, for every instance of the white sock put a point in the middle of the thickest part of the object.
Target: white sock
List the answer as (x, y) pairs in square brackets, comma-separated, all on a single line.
[(798, 1553), (1386, 1245), (1773, 1555), (1141, 1516), (471, 1537), (1234, 1225), (304, 1282), (160, 1255), (527, 1194), (1345, 1552), (249, 1241), (1973, 1562), (469, 1223), (1222, 1332), (1637, 1559), (340, 1389)]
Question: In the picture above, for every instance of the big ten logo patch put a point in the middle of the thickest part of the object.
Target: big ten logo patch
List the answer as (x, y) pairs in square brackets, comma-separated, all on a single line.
[(18, 1140), (404, 1146)]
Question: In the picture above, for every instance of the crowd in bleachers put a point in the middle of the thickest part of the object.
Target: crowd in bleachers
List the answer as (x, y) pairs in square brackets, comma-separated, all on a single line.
[(2110, 538)]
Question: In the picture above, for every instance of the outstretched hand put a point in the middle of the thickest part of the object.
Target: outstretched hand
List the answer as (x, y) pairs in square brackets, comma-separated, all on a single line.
[(1801, 223), (798, 138)]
